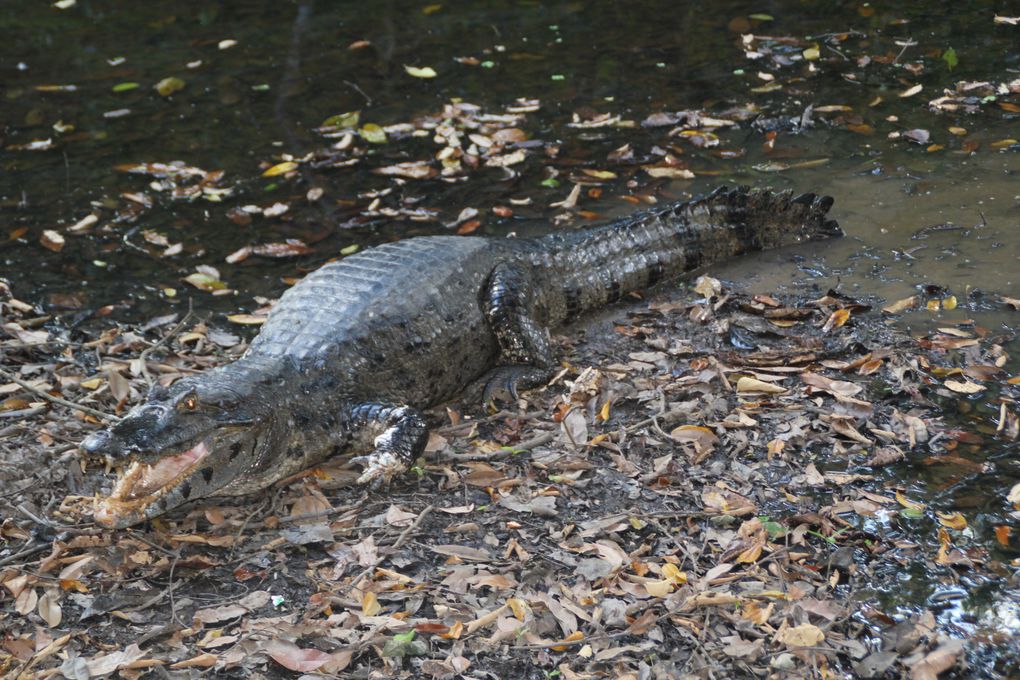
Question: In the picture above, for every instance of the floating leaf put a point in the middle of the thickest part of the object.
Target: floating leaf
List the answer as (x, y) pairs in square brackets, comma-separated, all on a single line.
[(125, 87), (953, 520), (52, 240), (343, 120), (901, 305), (280, 169), (911, 91), (422, 72), (964, 387), (949, 56), (246, 319), (204, 281), (168, 86), (668, 172), (349, 250), (372, 133)]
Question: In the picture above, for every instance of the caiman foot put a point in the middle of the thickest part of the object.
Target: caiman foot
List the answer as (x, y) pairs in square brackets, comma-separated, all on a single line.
[(502, 384), (380, 467), (403, 438)]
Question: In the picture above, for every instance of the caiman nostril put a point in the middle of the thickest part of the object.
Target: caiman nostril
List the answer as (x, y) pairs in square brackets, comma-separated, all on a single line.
[(98, 442)]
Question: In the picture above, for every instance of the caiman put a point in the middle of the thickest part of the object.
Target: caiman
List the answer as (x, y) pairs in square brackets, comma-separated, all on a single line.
[(350, 356)]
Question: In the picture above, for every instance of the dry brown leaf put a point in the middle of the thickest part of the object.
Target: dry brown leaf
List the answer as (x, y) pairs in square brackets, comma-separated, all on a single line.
[(49, 608), (204, 660), (804, 635), (940, 659), (964, 387), (746, 385), (901, 305), (294, 658)]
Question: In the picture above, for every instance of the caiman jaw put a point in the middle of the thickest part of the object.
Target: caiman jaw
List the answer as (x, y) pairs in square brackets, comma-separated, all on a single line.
[(143, 484)]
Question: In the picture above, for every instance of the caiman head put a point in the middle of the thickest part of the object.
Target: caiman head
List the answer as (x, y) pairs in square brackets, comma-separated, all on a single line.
[(193, 440)]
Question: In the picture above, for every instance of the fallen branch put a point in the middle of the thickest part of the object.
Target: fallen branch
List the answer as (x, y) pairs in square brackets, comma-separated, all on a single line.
[(56, 400)]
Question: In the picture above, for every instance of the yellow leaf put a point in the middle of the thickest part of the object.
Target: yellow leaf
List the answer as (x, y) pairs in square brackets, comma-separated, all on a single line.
[(907, 503), (811, 53), (836, 319), (372, 133), (901, 305), (748, 384), (420, 72), (573, 637), (518, 607), (246, 319), (604, 412), (280, 169), (953, 520), (91, 383), (804, 635), (673, 573), (910, 92), (659, 588), (370, 604), (949, 303)]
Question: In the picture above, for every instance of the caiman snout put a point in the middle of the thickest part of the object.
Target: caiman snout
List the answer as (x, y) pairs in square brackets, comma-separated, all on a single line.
[(102, 443)]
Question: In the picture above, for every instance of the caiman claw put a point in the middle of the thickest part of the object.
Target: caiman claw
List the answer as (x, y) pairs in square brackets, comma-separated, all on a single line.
[(380, 467)]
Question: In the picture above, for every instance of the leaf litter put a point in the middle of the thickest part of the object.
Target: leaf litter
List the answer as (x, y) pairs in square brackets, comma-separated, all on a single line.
[(656, 506)]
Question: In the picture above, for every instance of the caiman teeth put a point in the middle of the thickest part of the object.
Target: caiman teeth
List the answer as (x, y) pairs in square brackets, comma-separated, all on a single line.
[(143, 483)]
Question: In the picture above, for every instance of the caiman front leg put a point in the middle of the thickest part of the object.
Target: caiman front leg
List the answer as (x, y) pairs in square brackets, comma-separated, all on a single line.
[(396, 435), (526, 359)]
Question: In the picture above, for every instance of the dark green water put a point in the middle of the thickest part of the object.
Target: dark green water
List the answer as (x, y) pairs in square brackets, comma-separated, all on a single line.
[(65, 78)]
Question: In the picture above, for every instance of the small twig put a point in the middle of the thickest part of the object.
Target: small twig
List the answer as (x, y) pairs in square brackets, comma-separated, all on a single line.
[(56, 400), (506, 452), (27, 551), (23, 413), (144, 356), (354, 86), (396, 546)]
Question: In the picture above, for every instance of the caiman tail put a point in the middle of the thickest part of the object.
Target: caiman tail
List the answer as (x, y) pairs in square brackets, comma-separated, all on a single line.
[(587, 269)]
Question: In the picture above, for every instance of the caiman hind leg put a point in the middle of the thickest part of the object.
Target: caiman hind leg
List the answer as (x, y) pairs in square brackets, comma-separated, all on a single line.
[(525, 357), (395, 434)]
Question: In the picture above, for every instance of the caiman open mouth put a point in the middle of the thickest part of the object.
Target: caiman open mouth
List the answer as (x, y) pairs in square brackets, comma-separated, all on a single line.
[(141, 484)]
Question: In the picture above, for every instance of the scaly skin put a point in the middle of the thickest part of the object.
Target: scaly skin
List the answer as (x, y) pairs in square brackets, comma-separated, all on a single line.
[(351, 353)]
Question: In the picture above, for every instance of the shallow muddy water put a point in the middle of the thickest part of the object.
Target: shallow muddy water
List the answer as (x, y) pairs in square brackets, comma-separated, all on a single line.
[(927, 198)]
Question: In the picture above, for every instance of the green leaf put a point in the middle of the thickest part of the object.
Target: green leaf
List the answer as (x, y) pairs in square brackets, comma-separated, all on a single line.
[(343, 120), (125, 87), (558, 76), (762, 17), (552, 182), (168, 86), (949, 56), (404, 644), (349, 250), (372, 133)]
